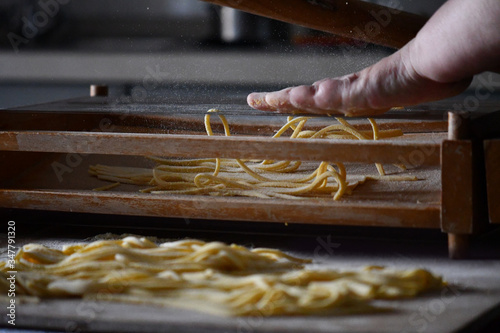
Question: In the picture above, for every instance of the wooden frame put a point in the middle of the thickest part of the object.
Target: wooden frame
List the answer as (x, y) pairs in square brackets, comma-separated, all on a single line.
[(492, 165), (459, 211), (197, 146)]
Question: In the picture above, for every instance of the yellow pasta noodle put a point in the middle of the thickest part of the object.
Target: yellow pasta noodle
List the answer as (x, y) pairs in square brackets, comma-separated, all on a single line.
[(262, 179), (213, 277)]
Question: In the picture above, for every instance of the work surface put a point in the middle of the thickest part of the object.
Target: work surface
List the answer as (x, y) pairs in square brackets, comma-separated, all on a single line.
[(473, 292)]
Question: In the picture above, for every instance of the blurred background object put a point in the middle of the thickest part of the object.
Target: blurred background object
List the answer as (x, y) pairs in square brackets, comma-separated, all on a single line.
[(53, 49)]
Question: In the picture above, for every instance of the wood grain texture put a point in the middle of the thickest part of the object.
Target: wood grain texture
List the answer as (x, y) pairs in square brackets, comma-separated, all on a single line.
[(241, 122), (352, 19), (223, 208), (52, 175), (457, 187), (492, 163), (422, 153), (68, 188)]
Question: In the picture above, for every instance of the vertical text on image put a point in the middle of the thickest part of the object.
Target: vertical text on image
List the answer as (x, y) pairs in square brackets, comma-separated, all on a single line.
[(11, 273)]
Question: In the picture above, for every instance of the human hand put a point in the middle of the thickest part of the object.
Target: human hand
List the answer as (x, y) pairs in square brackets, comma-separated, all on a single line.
[(392, 82), (459, 41)]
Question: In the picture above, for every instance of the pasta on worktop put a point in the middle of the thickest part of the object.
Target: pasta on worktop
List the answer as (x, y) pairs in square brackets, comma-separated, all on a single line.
[(213, 277)]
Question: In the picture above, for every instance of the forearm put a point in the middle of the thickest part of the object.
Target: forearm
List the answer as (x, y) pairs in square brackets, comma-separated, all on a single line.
[(460, 40)]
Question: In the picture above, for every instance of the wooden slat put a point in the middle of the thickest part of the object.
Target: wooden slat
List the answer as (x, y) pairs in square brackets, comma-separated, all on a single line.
[(492, 163), (242, 209), (176, 122), (411, 153), (457, 187), (464, 198)]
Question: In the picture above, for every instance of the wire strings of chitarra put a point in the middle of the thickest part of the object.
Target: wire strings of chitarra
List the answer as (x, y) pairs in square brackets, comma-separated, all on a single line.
[(212, 277), (250, 178)]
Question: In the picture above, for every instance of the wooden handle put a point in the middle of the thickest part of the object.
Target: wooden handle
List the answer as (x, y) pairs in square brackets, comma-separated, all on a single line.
[(349, 18)]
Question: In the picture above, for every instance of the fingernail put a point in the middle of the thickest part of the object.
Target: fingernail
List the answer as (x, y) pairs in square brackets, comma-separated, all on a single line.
[(256, 100)]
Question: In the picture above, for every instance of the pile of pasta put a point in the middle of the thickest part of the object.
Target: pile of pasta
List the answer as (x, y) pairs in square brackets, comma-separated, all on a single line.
[(261, 179), (213, 277)]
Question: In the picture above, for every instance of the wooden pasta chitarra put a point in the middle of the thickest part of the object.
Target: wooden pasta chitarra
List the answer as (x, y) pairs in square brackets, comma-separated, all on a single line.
[(46, 151)]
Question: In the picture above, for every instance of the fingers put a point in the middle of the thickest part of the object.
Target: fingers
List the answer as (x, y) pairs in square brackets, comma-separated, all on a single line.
[(271, 101), (257, 100), (287, 100), (391, 82), (321, 97)]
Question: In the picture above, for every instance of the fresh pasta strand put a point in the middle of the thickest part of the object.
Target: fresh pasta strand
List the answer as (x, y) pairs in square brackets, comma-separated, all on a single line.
[(236, 177), (214, 277)]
